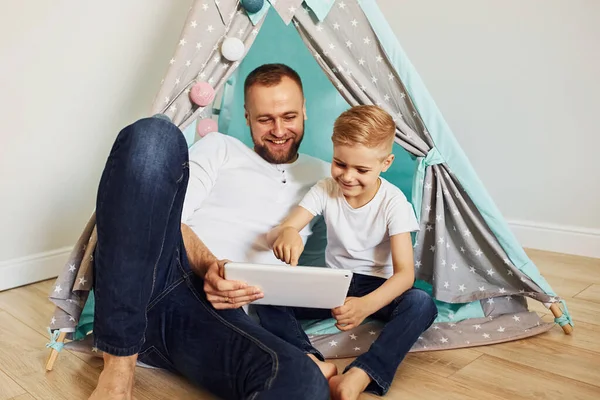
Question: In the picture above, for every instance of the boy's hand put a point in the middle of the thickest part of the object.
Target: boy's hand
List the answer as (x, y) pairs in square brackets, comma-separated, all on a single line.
[(352, 313), (288, 246)]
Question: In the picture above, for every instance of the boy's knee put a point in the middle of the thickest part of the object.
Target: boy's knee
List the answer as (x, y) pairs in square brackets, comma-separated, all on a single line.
[(424, 302), (418, 303)]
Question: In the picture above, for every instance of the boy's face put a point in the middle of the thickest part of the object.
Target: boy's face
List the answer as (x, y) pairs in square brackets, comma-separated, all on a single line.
[(356, 168)]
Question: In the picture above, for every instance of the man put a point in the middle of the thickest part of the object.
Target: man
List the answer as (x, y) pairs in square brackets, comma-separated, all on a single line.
[(166, 219)]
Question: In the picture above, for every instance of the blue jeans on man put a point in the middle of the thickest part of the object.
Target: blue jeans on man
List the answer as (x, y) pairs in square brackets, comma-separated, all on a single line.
[(149, 301)]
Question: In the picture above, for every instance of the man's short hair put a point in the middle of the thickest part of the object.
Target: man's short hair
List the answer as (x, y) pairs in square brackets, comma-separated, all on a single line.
[(368, 125), (270, 75)]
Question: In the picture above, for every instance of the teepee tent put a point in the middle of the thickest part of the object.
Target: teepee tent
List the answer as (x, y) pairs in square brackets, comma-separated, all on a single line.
[(465, 254)]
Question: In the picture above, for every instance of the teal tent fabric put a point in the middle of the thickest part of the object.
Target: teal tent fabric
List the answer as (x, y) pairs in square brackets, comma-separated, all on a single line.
[(85, 325), (281, 43)]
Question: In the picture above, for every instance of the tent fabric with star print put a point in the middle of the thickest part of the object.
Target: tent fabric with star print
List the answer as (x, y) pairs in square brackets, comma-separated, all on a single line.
[(465, 254)]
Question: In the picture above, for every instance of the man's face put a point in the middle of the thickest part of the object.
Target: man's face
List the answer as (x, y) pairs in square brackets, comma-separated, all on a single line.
[(275, 115)]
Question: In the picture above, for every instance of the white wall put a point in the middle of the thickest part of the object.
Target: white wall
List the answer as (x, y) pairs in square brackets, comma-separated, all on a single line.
[(516, 80), (72, 73)]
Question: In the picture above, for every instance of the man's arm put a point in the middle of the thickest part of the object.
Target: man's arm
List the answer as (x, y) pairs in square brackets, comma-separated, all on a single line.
[(199, 256), (206, 158), (220, 292)]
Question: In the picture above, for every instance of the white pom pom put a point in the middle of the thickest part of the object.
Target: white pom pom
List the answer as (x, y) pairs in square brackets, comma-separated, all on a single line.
[(233, 49)]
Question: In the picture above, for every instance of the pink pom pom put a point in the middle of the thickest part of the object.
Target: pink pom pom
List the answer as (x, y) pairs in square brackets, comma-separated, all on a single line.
[(206, 126), (202, 94)]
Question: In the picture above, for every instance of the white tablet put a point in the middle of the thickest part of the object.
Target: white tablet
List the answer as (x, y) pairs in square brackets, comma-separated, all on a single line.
[(282, 285)]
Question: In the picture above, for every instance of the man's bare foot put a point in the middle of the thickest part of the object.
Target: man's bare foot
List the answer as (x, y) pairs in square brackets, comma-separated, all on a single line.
[(328, 369), (350, 385), (116, 379)]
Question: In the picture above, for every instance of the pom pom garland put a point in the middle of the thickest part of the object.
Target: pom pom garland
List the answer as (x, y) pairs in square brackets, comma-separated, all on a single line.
[(206, 126), (253, 6), (202, 94), (233, 49)]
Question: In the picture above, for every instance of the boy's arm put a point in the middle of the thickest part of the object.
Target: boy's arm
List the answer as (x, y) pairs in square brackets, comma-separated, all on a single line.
[(356, 309), (285, 238), (403, 277), (297, 219)]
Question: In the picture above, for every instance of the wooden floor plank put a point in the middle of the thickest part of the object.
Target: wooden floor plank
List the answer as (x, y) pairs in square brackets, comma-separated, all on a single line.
[(515, 381), (591, 293), (418, 384), (546, 355), (565, 287), (584, 310), (583, 269), (25, 396), (585, 336), (443, 363), (414, 383), (9, 388), (155, 384), (45, 286), (28, 306)]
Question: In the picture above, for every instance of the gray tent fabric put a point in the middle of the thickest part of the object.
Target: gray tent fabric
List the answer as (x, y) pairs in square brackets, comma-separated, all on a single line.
[(73, 285), (455, 251), (198, 58)]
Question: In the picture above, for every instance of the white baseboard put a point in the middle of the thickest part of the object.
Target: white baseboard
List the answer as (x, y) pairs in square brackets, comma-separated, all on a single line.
[(34, 268), (558, 238)]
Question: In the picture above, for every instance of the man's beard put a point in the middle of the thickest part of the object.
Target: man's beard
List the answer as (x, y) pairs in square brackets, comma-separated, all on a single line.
[(278, 158)]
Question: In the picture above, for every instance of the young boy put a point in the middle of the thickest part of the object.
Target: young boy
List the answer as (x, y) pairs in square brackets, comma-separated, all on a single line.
[(369, 221)]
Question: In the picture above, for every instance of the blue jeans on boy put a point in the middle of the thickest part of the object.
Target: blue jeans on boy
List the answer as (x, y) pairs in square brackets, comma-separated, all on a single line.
[(149, 301), (406, 318)]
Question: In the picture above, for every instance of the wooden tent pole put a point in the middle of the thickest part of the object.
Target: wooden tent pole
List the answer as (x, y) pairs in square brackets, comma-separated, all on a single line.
[(557, 314), (54, 353)]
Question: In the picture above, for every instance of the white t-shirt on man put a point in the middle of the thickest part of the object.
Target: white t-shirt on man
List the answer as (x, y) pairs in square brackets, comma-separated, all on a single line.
[(235, 197), (358, 239)]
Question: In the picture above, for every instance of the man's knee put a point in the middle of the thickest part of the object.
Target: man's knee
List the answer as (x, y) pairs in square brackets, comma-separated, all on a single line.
[(152, 146)]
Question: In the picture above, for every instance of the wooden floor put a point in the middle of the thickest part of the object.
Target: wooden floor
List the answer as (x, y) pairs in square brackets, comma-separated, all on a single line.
[(549, 366)]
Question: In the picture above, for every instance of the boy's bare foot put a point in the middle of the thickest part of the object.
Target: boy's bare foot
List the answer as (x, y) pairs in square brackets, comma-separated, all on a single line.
[(116, 379), (350, 385), (328, 369)]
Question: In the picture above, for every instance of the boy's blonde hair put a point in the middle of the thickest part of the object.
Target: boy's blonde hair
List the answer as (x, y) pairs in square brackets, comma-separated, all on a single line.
[(368, 125)]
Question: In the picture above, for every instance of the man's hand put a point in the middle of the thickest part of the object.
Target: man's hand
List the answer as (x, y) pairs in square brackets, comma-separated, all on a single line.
[(352, 313), (288, 246), (224, 294)]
